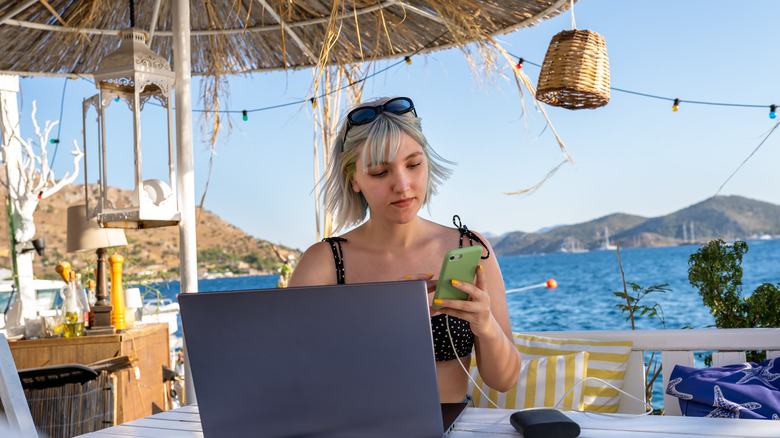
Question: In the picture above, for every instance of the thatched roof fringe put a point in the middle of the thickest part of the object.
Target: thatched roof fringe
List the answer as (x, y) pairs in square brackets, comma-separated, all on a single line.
[(256, 37)]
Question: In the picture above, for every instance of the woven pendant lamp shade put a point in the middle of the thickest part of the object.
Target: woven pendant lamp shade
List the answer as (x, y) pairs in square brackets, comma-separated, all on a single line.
[(575, 72)]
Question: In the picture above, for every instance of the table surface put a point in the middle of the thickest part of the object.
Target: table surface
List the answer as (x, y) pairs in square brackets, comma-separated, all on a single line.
[(483, 422)]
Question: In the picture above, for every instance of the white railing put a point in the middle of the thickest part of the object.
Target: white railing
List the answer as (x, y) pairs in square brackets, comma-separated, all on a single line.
[(677, 347)]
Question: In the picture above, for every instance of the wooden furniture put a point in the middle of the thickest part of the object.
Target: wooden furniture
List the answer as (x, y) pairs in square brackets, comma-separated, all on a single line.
[(677, 347), (135, 398), (484, 422), (17, 413)]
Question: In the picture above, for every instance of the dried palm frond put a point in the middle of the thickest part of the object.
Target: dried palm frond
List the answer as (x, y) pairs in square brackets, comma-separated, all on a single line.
[(338, 82)]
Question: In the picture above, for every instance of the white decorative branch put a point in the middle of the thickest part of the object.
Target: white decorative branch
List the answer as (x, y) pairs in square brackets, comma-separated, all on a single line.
[(36, 178)]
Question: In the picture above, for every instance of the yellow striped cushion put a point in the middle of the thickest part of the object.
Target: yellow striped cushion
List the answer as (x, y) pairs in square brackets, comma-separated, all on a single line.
[(542, 383), (607, 360)]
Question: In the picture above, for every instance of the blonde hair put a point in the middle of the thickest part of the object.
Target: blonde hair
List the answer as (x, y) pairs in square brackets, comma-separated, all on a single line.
[(382, 138)]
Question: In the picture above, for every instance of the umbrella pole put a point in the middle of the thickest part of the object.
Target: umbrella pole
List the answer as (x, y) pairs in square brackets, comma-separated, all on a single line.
[(186, 176)]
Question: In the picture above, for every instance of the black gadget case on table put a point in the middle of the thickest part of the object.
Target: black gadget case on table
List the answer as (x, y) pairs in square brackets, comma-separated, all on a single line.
[(544, 423)]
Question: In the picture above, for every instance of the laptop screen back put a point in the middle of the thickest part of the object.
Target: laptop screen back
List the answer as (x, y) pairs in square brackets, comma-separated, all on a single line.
[(346, 361)]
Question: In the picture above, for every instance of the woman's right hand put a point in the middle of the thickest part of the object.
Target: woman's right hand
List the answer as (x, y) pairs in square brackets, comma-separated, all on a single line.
[(430, 283)]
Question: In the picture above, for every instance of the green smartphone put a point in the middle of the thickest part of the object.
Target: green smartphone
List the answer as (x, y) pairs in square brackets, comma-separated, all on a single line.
[(459, 264)]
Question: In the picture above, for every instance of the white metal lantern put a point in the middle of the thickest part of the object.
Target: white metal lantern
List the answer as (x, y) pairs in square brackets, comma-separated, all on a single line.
[(133, 74)]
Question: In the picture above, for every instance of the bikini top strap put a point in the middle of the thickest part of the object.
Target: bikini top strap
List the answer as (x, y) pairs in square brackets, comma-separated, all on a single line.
[(338, 256), (464, 231)]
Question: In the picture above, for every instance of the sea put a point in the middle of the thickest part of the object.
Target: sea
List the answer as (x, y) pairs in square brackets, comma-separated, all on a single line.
[(584, 298)]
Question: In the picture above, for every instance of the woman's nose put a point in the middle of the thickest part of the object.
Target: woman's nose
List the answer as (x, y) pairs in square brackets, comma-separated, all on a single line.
[(401, 182)]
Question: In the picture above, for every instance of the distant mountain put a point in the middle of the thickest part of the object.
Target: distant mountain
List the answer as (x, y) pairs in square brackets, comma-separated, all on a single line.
[(724, 217), (550, 228), (221, 246)]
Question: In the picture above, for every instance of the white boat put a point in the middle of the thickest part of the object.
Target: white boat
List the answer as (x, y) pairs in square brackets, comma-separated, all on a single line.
[(606, 246), (572, 245), (162, 310), (47, 292)]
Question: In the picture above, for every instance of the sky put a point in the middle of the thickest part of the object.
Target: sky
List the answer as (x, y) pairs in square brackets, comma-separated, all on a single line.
[(634, 155)]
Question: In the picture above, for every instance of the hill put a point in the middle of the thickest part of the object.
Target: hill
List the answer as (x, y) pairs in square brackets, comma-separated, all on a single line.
[(723, 217), (222, 247)]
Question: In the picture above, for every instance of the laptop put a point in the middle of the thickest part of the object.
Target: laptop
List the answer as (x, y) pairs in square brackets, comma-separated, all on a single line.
[(327, 361)]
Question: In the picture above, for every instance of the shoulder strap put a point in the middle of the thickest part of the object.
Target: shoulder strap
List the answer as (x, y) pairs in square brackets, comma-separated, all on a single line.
[(464, 231), (338, 256)]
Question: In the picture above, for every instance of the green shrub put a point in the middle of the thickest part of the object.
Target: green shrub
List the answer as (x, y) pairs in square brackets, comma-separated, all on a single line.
[(716, 271)]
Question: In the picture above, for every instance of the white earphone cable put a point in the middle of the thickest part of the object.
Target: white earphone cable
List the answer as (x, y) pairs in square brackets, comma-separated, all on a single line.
[(560, 400), (476, 385)]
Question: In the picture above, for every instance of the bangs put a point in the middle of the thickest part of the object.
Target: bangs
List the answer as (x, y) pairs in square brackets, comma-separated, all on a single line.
[(383, 138)]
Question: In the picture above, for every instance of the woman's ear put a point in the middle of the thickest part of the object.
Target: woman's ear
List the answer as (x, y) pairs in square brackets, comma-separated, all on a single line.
[(354, 184), (350, 172)]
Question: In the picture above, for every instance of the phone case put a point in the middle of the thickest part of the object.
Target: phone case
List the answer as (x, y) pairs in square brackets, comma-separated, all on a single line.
[(544, 423), (459, 264)]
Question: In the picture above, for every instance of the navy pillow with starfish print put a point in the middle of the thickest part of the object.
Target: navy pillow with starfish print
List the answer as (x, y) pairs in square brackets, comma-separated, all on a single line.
[(745, 390)]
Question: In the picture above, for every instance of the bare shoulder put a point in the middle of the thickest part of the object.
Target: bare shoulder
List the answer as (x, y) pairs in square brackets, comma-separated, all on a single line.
[(490, 264), (485, 242), (487, 248), (315, 267), (448, 236)]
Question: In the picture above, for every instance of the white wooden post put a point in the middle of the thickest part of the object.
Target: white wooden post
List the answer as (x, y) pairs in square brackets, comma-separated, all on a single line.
[(186, 176), (12, 158)]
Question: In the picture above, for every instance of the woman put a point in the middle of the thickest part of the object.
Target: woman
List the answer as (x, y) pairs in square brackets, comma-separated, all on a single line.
[(382, 163)]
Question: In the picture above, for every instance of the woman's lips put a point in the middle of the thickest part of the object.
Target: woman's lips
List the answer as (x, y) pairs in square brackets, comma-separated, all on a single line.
[(403, 202)]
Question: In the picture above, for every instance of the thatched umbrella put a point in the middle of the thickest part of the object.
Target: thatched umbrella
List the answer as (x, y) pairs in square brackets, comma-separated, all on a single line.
[(219, 37), (65, 37)]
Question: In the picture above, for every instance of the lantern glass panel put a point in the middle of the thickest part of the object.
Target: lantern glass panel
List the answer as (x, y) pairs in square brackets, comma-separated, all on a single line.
[(119, 147), (92, 167), (154, 142)]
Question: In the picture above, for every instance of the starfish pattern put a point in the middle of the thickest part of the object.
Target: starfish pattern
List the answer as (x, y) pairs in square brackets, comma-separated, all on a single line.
[(671, 389), (762, 374), (728, 409)]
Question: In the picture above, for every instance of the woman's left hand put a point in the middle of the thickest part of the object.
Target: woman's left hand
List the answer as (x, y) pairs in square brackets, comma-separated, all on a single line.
[(430, 283), (476, 309)]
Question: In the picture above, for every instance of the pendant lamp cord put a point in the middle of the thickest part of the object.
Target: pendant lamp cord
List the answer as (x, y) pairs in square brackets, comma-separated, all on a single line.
[(132, 14), (573, 24), (59, 124)]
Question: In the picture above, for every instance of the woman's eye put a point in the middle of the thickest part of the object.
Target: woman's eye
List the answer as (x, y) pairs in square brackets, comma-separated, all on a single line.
[(377, 173), (413, 165)]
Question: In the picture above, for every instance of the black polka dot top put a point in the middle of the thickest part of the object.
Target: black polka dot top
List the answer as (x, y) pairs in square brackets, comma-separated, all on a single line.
[(462, 336)]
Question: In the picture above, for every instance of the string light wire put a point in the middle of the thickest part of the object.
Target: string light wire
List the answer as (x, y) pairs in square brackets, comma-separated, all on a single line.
[(56, 141), (522, 60), (670, 99), (746, 160)]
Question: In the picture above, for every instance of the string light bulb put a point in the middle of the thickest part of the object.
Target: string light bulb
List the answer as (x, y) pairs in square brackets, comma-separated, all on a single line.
[(244, 115), (54, 140), (519, 63), (676, 105), (408, 60), (772, 111), (313, 102)]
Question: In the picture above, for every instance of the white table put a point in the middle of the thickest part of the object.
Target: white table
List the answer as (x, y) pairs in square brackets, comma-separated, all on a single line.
[(482, 422)]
